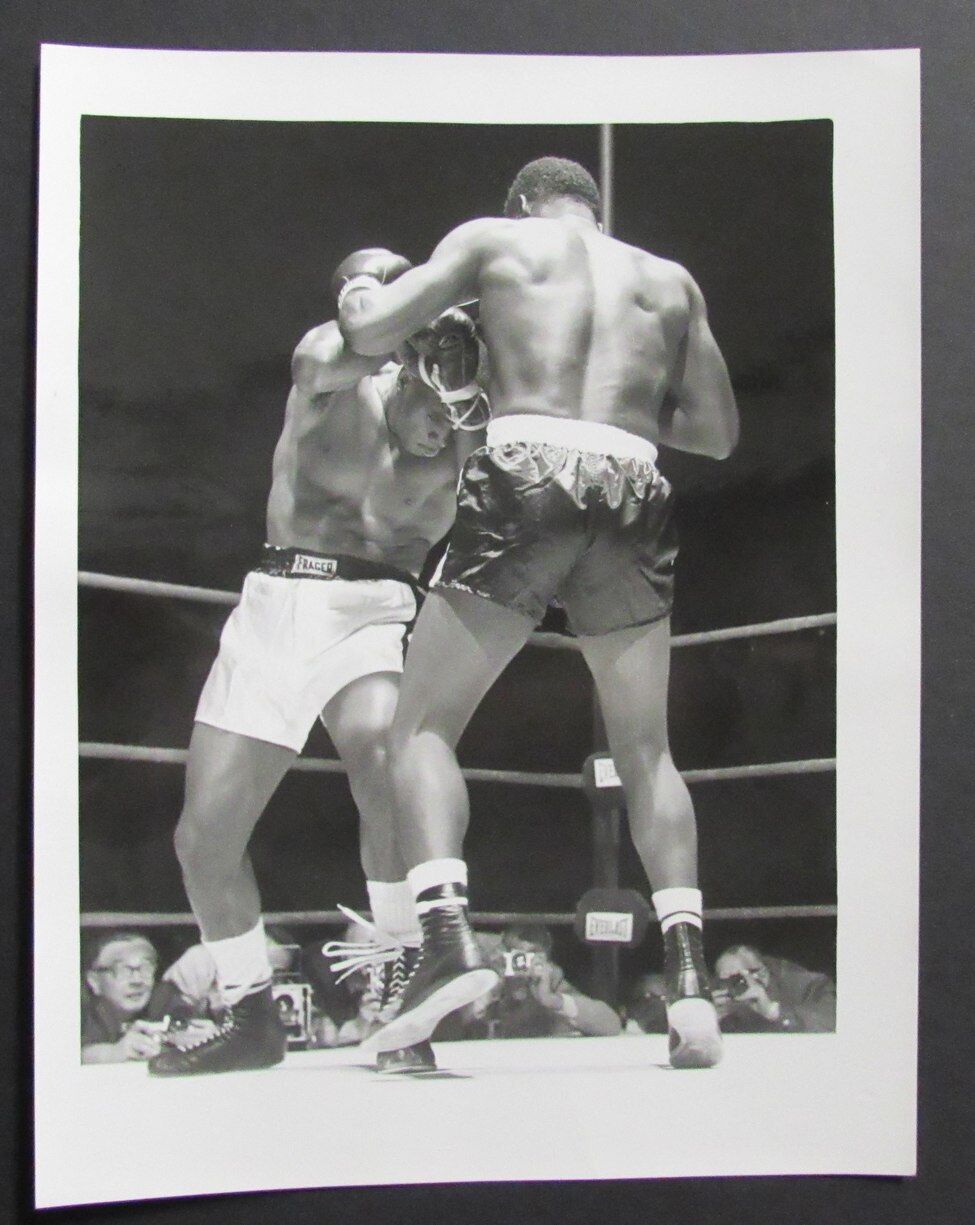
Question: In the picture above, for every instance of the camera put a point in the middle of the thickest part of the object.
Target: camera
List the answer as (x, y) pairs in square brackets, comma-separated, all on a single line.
[(735, 984), (293, 1002), (517, 963)]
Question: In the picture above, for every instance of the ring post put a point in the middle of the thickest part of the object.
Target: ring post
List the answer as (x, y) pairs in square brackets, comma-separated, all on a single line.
[(605, 793)]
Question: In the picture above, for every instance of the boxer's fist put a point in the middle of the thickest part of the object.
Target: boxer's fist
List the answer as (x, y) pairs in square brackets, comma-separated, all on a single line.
[(372, 265), (450, 345)]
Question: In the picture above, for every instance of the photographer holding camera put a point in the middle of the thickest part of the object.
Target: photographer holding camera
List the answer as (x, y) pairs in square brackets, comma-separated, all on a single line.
[(124, 1011), (534, 999), (755, 993)]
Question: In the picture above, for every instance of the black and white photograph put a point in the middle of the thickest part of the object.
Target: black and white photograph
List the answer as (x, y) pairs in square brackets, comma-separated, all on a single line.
[(477, 613)]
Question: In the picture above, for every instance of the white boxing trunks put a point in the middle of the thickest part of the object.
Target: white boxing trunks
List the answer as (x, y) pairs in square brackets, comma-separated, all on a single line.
[(292, 643)]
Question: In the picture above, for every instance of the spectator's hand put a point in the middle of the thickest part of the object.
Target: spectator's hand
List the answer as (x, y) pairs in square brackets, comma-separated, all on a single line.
[(352, 1032), (755, 999), (542, 980), (758, 999), (482, 1005), (139, 1042), (323, 1031)]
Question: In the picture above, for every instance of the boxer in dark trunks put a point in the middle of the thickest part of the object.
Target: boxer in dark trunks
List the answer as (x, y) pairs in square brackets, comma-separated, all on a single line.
[(599, 352), (364, 483)]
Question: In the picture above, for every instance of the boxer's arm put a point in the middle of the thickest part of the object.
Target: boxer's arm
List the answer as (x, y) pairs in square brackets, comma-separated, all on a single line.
[(323, 362), (378, 318), (699, 413), (466, 443)]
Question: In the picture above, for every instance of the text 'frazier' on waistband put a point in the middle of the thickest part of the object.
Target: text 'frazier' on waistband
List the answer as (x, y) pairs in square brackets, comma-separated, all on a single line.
[(283, 562), (594, 436)]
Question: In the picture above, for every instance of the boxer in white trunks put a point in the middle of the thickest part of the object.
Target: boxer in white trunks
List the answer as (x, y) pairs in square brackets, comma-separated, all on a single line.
[(364, 483), (599, 353)]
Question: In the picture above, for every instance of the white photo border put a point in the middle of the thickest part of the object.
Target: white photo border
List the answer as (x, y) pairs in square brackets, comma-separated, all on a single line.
[(857, 1112)]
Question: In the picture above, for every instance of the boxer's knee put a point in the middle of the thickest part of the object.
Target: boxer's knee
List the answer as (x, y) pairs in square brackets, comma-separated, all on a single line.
[(398, 741), (365, 757), (639, 763), (203, 847)]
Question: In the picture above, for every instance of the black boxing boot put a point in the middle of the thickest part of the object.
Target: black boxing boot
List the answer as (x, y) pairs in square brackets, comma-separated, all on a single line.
[(450, 973), (391, 982), (389, 963), (250, 1036), (695, 1038)]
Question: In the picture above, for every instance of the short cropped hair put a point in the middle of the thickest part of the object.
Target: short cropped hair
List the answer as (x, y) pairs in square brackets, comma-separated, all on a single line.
[(97, 944), (529, 933), (736, 950), (549, 178)]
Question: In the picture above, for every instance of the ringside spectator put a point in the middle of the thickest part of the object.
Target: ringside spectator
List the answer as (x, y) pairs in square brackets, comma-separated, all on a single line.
[(343, 1011), (121, 1003), (755, 993), (646, 1005), (534, 999)]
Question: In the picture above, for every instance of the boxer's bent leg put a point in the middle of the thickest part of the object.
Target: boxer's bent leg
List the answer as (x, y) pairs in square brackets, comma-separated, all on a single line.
[(460, 646), (631, 668), (229, 780), (358, 719)]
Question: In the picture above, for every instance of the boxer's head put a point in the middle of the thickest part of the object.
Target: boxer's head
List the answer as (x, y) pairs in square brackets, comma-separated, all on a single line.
[(548, 179), (122, 970)]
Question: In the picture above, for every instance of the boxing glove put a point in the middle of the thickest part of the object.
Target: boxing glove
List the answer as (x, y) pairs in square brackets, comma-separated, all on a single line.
[(372, 266), (448, 356), (451, 336)]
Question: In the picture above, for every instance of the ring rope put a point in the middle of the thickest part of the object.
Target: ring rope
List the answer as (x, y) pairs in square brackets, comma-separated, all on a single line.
[(322, 765), (210, 595), (121, 919), (558, 642)]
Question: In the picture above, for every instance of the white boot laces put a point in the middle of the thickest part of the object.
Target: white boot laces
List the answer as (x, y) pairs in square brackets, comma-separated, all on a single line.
[(348, 956)]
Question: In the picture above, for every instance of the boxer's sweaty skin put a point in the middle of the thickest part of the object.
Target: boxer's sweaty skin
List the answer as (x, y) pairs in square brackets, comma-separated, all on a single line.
[(342, 482), (578, 326)]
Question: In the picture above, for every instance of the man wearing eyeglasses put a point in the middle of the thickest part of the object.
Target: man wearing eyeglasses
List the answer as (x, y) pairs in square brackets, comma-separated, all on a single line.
[(120, 1000)]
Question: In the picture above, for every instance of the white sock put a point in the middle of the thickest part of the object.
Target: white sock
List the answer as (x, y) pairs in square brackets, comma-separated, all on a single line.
[(393, 909), (242, 963), (679, 904), (435, 872)]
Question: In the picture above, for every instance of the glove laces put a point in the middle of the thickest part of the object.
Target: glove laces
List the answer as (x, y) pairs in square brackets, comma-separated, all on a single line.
[(478, 413)]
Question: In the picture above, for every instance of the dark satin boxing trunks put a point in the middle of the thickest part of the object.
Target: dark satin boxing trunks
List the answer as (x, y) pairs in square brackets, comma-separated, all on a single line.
[(567, 512)]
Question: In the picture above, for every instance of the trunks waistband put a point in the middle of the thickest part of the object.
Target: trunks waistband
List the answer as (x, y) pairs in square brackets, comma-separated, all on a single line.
[(309, 563), (593, 436)]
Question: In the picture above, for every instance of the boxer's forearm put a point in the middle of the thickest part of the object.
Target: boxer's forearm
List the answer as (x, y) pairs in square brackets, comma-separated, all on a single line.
[(377, 318), (699, 412), (591, 1017), (714, 434)]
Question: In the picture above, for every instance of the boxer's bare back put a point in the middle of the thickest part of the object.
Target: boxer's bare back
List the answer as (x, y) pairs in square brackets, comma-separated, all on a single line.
[(579, 326), (366, 463)]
